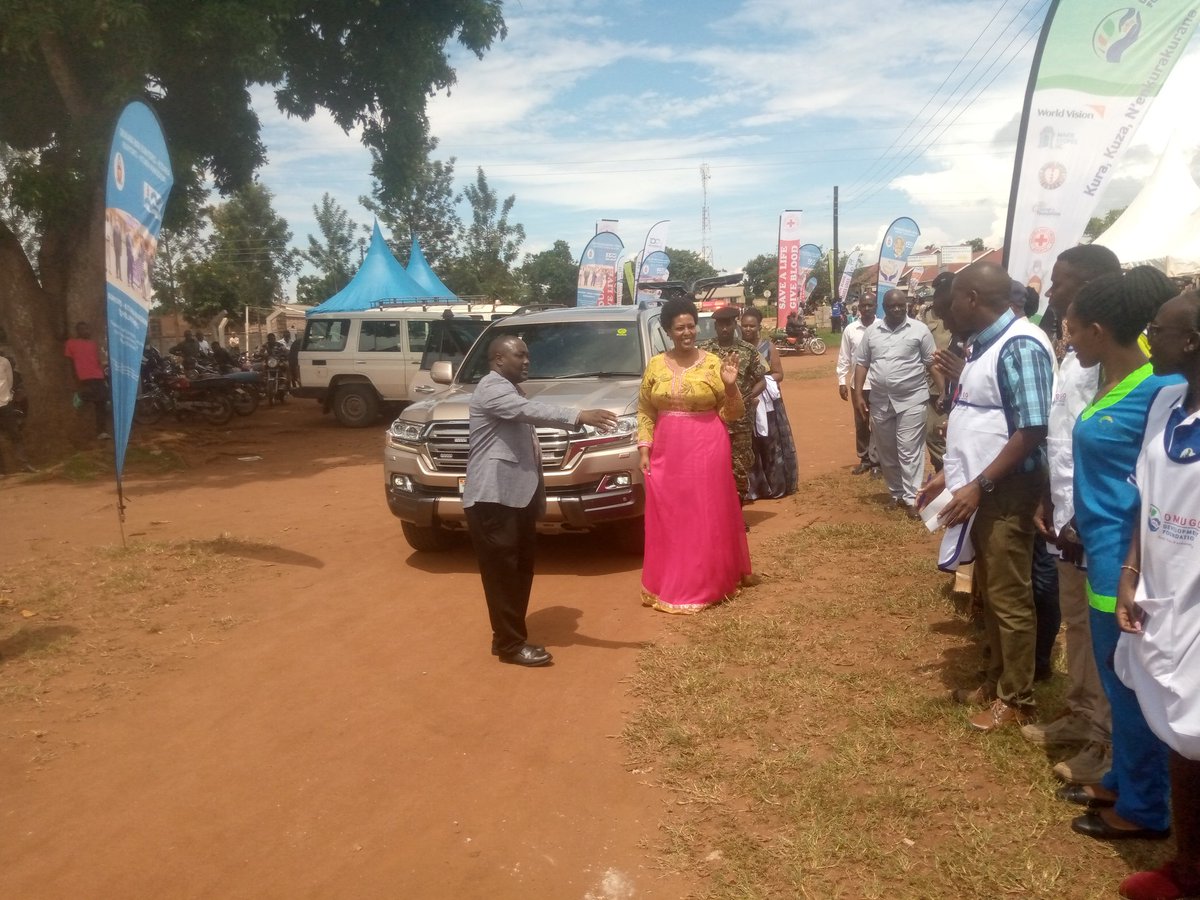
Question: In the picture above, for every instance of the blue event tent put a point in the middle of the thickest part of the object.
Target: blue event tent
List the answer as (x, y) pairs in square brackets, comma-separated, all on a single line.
[(379, 279), (420, 272)]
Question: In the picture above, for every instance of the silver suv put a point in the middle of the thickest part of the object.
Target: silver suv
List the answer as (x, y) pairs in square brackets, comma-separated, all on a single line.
[(581, 358)]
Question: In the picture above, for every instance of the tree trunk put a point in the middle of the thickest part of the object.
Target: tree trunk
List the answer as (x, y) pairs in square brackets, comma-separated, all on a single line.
[(38, 316)]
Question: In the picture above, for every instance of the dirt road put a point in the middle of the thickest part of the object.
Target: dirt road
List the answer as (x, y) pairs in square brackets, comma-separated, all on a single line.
[(321, 717)]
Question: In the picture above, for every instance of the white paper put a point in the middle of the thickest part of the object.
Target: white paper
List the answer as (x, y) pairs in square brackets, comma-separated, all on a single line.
[(930, 513)]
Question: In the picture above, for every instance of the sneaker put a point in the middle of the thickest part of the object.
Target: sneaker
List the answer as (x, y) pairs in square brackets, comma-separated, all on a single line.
[(998, 715), (980, 696), (1066, 728), (876, 472), (861, 469), (1087, 766), (1159, 884)]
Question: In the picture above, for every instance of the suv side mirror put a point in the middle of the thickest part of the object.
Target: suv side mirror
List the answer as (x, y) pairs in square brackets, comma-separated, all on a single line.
[(442, 372)]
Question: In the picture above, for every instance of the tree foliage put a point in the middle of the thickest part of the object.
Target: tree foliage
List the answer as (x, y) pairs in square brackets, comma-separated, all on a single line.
[(762, 275), (490, 246), (332, 255), (551, 276), (245, 260), (68, 67), (422, 202), (688, 265), (977, 244), (1097, 225)]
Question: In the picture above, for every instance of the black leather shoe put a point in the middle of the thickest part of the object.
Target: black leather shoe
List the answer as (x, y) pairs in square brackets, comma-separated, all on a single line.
[(1076, 793), (527, 655), (1093, 826), (861, 469)]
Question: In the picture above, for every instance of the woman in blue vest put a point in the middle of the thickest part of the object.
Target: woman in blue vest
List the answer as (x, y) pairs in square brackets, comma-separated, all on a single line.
[(1105, 322)]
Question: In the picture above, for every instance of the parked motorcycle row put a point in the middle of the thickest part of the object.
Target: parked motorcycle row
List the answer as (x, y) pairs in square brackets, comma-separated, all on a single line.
[(210, 392)]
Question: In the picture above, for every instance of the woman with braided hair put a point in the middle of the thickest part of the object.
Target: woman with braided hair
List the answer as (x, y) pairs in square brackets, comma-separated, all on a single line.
[(1104, 323)]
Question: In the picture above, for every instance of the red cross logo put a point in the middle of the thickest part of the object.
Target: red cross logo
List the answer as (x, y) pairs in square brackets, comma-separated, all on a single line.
[(1041, 240)]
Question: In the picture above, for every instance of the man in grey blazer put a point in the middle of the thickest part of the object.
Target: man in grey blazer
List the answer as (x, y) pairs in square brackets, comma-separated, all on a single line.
[(504, 495)]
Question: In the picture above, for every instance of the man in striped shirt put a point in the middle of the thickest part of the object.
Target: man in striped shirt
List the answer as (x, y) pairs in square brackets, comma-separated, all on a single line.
[(996, 458)]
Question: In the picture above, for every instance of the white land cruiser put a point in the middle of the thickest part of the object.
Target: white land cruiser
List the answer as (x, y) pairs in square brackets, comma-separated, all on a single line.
[(583, 358), (354, 363)]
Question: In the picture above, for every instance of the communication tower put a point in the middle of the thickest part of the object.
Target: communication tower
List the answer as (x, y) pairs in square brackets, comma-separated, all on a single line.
[(705, 222)]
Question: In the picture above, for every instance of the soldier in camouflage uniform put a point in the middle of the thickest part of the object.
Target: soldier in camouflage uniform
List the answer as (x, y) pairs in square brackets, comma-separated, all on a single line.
[(752, 381)]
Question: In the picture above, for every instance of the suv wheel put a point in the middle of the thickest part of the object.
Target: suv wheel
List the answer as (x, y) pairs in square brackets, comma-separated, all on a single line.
[(356, 405), (425, 539)]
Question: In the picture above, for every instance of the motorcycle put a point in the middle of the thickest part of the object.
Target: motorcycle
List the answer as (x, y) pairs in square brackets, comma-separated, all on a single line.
[(804, 341), (165, 389), (272, 369), (244, 385)]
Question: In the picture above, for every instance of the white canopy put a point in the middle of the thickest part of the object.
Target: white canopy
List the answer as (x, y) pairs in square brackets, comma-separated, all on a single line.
[(1161, 227)]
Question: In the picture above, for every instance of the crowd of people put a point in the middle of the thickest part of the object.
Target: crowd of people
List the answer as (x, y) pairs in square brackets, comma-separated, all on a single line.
[(1059, 454), (1075, 443)]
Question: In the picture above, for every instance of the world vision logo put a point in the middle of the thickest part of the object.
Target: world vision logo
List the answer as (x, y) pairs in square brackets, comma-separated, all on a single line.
[(1116, 33)]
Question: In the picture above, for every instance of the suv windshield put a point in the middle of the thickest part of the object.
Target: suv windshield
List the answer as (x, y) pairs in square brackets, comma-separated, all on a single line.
[(566, 349), (450, 339)]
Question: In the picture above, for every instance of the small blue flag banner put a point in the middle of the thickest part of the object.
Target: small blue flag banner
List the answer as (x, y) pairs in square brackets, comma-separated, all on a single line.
[(810, 255), (898, 243), (655, 267), (136, 190), (597, 284), (852, 262)]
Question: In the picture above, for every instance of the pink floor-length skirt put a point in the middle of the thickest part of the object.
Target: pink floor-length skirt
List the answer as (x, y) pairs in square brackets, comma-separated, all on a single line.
[(696, 550)]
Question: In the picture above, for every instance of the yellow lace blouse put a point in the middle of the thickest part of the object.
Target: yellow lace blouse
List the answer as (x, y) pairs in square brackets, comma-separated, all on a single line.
[(698, 388)]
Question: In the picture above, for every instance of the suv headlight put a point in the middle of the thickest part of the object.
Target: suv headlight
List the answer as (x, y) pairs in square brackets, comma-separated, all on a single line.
[(405, 432), (625, 432)]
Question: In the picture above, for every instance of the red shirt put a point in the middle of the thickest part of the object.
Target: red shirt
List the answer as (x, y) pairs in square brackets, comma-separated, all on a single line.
[(85, 354)]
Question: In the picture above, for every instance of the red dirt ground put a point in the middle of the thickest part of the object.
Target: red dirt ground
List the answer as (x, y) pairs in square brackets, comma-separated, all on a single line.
[(349, 734)]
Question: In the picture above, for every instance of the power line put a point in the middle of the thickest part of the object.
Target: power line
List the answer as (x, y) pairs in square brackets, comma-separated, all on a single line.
[(907, 161), (854, 184), (954, 99)]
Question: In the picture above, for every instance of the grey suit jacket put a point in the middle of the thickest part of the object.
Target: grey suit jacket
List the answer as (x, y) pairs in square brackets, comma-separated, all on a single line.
[(505, 461)]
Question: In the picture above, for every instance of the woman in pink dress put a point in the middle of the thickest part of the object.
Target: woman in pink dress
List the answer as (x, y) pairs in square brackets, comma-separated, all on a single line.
[(696, 550)]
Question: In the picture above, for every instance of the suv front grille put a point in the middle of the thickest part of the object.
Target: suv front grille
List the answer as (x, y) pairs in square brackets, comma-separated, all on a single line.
[(448, 446)]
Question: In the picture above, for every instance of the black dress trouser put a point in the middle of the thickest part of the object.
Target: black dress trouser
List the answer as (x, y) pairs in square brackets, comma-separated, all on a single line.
[(504, 538)]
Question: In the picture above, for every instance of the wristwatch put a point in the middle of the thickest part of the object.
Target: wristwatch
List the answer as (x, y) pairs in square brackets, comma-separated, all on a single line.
[(985, 484)]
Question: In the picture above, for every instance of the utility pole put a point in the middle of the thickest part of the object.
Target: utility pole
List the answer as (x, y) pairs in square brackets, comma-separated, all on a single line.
[(833, 262), (705, 222)]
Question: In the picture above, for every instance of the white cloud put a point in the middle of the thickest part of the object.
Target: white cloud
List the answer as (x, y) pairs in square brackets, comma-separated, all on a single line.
[(582, 115)]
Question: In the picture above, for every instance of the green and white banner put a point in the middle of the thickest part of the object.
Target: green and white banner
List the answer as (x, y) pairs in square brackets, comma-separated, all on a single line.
[(1095, 76)]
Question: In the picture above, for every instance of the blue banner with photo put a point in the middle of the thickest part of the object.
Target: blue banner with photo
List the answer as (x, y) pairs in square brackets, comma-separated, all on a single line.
[(139, 181), (898, 243), (810, 255), (655, 267), (597, 285)]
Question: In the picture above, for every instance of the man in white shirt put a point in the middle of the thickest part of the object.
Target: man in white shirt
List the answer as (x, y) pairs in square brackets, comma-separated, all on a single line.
[(864, 442), (897, 354), (12, 418)]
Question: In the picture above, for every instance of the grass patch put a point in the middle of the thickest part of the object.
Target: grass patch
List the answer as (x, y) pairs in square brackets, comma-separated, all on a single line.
[(806, 734), (103, 616), (813, 373), (98, 464)]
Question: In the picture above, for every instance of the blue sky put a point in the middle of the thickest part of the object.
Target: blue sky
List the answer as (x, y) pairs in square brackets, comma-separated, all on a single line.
[(593, 110)]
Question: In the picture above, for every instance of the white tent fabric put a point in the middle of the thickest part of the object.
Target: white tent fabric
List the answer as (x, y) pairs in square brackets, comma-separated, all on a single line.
[(1161, 227)]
